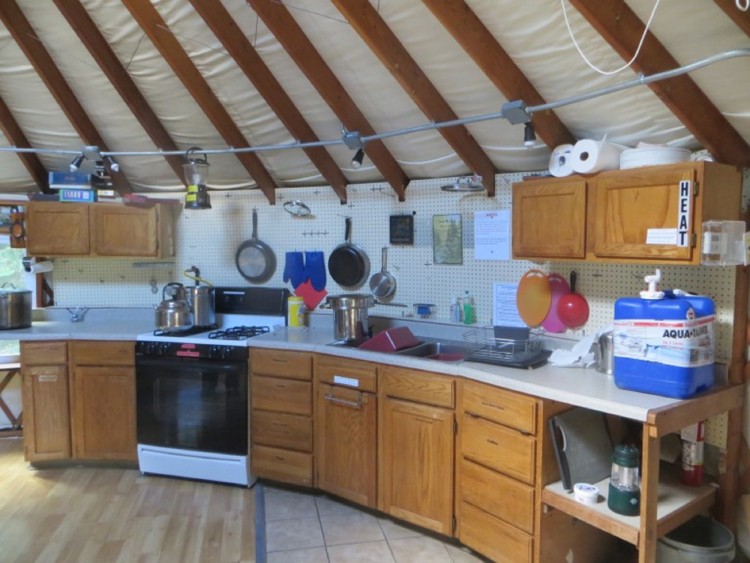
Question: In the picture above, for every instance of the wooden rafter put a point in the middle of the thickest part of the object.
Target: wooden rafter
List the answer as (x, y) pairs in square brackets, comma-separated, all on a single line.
[(30, 160), (243, 53), (742, 19), (27, 40), (622, 29), (91, 37), (154, 26), (474, 37), (366, 21), (286, 30)]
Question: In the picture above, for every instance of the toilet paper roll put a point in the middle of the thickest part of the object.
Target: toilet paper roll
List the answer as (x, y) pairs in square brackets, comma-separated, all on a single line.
[(560, 162), (589, 156)]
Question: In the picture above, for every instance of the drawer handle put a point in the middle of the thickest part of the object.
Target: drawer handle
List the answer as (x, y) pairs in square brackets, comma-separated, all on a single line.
[(494, 406), (280, 458), (493, 442), (280, 361), (344, 402)]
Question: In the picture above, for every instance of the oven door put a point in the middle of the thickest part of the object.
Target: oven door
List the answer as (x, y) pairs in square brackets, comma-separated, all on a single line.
[(192, 404)]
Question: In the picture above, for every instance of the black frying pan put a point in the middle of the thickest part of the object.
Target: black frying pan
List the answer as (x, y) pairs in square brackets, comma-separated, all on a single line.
[(348, 264), (255, 260)]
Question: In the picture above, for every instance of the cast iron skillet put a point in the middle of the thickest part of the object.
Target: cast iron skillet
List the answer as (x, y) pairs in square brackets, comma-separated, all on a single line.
[(255, 260), (348, 264)]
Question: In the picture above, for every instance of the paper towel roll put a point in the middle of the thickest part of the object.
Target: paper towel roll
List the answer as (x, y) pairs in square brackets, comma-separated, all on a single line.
[(560, 162), (591, 156)]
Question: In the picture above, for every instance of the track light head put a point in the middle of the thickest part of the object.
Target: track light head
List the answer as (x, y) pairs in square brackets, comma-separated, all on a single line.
[(358, 159), (529, 135), (75, 164), (114, 166)]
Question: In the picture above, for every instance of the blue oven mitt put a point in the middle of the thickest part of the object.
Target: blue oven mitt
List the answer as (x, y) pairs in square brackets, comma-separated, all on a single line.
[(315, 269), (294, 268)]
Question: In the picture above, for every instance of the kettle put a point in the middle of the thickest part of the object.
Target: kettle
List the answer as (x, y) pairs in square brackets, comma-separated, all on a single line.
[(201, 299), (173, 313), (605, 353)]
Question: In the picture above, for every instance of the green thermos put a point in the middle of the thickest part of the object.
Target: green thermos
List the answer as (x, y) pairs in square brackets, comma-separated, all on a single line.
[(624, 489)]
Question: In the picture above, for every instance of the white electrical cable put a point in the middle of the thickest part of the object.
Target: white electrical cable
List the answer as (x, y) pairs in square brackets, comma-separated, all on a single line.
[(637, 51), (743, 5)]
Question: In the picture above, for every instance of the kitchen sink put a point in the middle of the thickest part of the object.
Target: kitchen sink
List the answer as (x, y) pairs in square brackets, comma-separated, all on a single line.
[(444, 351)]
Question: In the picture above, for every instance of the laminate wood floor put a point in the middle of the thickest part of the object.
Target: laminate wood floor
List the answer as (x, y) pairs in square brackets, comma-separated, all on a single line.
[(97, 514)]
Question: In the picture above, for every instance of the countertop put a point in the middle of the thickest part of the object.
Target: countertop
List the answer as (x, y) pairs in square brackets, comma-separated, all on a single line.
[(586, 388)]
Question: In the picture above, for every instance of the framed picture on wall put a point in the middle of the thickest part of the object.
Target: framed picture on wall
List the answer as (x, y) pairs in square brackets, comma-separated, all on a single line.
[(447, 239), (5, 220)]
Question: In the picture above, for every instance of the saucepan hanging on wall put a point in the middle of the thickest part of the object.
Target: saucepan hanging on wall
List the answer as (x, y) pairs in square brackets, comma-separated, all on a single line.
[(255, 260)]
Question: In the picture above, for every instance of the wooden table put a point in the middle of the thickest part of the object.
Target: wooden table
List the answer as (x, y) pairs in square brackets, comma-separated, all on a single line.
[(16, 421)]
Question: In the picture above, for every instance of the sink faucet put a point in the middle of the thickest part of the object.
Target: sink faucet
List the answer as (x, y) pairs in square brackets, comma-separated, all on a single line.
[(77, 314)]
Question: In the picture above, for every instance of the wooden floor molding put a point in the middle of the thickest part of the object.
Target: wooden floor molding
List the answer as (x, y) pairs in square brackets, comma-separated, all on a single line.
[(81, 514)]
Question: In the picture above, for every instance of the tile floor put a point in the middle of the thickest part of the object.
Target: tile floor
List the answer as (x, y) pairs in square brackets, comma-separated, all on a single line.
[(314, 528)]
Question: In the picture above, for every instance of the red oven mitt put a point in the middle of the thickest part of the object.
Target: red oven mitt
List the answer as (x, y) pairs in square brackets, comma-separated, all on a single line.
[(311, 296)]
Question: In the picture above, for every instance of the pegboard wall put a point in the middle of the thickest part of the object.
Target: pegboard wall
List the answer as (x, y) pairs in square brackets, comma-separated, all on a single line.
[(209, 240)]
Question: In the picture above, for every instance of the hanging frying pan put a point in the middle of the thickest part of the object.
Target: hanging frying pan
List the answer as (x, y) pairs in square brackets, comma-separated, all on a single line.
[(533, 297), (348, 264), (382, 283), (254, 259), (573, 309)]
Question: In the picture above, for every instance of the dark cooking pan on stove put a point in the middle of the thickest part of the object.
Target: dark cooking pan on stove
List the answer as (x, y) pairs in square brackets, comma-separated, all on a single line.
[(348, 264)]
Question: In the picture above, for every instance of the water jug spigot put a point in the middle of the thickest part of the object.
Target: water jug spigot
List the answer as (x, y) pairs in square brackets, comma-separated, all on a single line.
[(652, 292)]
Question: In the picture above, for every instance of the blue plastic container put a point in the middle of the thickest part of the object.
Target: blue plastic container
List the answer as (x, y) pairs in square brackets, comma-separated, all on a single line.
[(664, 346)]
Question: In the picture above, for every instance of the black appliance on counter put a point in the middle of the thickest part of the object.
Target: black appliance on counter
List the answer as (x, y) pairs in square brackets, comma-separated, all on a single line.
[(192, 391)]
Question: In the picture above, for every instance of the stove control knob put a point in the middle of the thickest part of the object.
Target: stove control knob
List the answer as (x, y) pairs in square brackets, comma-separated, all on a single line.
[(164, 348), (226, 353), (214, 352)]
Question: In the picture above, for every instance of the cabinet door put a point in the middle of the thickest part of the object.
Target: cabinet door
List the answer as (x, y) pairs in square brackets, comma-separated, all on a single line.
[(549, 219), (46, 413), (119, 230), (57, 229), (346, 443), (416, 464), (104, 413), (630, 208)]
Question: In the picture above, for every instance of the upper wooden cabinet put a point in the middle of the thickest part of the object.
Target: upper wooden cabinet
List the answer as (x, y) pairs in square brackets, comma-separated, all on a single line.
[(650, 214), (101, 229)]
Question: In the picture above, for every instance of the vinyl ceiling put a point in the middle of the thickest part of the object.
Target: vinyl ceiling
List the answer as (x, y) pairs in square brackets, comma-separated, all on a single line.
[(141, 76)]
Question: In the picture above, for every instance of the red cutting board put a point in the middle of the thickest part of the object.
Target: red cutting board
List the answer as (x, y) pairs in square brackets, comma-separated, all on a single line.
[(558, 287)]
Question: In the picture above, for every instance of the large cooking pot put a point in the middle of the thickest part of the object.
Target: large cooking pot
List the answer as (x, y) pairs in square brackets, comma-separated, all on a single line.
[(350, 315), (201, 300), (173, 314), (348, 264), (15, 308)]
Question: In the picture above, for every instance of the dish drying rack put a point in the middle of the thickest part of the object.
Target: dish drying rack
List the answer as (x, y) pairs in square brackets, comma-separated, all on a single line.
[(482, 346)]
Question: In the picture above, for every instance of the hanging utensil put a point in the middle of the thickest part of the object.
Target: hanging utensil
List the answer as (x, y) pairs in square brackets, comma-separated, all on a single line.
[(533, 297), (383, 284), (348, 264), (255, 260), (559, 287)]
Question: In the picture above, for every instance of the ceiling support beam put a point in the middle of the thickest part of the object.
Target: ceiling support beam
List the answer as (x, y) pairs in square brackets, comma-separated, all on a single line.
[(742, 19), (89, 34), (30, 160), (474, 37), (158, 32), (17, 24), (366, 21), (246, 57), (290, 35), (622, 29)]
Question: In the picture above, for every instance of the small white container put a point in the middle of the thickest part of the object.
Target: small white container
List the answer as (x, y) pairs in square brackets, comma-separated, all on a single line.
[(586, 493)]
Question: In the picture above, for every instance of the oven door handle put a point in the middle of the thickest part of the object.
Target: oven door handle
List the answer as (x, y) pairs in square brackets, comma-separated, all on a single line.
[(171, 361)]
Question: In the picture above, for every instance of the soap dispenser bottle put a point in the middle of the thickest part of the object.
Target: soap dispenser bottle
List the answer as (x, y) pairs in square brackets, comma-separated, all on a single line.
[(468, 307)]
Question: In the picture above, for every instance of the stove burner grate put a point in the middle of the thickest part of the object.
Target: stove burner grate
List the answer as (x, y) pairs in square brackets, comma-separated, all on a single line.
[(187, 332), (239, 332)]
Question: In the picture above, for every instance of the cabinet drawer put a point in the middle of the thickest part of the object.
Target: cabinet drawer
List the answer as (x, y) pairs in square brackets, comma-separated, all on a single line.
[(282, 465), (103, 353), (294, 365), (492, 537), (505, 407), (419, 386), (281, 395), (498, 447), (349, 373), (44, 353), (497, 494), (288, 431)]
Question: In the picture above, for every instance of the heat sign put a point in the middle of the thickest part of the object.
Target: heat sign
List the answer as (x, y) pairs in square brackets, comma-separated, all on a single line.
[(684, 208)]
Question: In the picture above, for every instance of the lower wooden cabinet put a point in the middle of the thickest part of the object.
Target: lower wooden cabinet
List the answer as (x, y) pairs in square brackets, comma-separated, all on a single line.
[(416, 449), (281, 409), (45, 396), (494, 538)]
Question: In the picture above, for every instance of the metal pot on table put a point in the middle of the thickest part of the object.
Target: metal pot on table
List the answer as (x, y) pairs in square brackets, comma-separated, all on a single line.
[(350, 315), (173, 314), (15, 308)]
